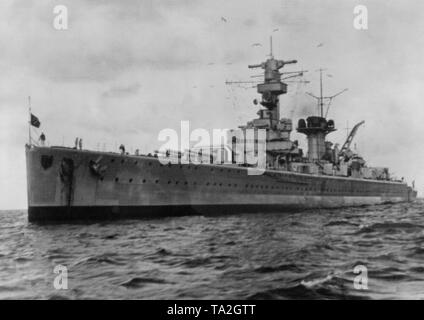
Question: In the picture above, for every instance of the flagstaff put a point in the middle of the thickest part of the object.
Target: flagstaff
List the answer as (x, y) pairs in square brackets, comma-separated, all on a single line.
[(33, 121), (29, 121)]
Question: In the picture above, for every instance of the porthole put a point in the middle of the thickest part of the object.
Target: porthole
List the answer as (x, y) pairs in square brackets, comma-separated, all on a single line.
[(122, 161), (112, 160), (116, 179), (144, 180), (156, 181), (131, 180)]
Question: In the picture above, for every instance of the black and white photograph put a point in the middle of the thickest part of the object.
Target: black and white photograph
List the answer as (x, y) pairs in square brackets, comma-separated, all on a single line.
[(208, 150)]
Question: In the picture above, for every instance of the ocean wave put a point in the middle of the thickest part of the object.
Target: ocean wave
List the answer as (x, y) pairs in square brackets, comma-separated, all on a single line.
[(317, 281), (140, 282), (302, 292), (278, 268), (340, 223), (389, 227), (308, 255), (97, 260)]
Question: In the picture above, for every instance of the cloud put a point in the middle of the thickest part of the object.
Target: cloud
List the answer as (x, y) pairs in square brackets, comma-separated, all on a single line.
[(117, 91), (104, 39), (250, 22)]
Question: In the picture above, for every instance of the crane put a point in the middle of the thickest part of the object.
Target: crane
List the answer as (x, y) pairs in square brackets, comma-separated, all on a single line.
[(346, 146)]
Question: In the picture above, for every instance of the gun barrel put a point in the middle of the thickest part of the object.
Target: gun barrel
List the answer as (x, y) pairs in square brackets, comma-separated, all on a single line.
[(290, 61)]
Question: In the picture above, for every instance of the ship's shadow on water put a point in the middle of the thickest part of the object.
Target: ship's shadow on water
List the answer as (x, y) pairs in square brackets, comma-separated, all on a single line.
[(293, 255)]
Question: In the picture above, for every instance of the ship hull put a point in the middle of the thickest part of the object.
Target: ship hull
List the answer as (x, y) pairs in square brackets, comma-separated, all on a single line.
[(63, 213), (63, 184)]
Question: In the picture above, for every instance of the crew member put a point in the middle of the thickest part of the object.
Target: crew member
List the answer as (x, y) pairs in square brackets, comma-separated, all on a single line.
[(42, 139)]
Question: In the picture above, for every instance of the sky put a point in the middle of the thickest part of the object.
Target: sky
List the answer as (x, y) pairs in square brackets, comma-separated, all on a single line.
[(125, 70)]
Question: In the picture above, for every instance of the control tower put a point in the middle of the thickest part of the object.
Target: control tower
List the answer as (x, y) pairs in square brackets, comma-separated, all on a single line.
[(280, 150), (270, 89)]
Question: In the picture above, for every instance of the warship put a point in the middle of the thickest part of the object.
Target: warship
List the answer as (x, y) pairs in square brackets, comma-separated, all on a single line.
[(70, 183)]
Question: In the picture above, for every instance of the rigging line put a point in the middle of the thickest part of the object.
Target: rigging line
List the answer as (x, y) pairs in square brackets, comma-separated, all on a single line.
[(233, 99), (328, 107)]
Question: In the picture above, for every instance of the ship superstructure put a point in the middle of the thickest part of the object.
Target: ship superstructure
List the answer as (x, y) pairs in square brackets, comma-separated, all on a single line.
[(280, 149), (66, 183), (323, 157)]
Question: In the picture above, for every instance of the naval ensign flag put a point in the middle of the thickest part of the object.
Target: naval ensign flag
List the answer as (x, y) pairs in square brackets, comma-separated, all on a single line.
[(34, 121)]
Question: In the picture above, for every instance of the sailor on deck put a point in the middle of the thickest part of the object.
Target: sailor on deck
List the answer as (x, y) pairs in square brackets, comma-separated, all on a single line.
[(122, 149), (42, 139)]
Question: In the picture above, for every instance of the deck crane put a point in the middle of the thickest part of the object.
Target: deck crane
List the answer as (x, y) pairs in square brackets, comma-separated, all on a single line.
[(345, 150)]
